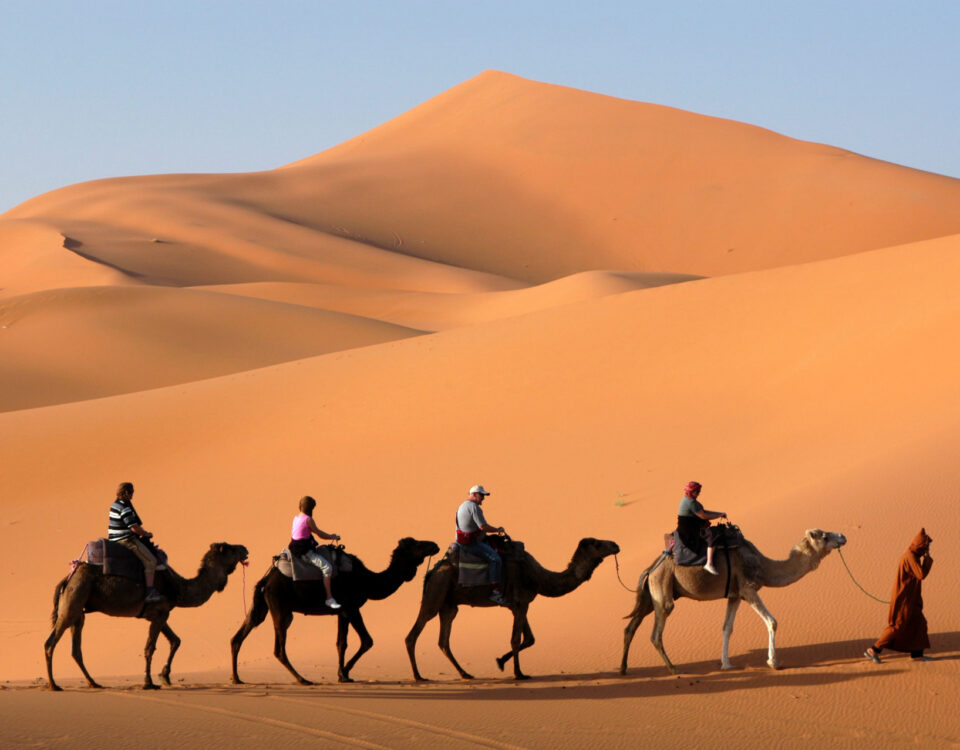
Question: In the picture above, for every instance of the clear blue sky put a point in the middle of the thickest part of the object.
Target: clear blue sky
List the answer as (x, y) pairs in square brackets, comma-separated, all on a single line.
[(104, 88)]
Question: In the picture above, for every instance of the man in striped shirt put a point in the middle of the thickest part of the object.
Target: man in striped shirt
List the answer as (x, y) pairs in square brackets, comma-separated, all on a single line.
[(127, 529)]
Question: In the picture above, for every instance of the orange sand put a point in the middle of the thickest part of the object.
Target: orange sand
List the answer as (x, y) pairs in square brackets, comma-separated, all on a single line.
[(579, 301)]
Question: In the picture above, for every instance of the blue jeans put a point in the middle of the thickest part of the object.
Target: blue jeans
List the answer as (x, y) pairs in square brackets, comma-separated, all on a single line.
[(489, 554)]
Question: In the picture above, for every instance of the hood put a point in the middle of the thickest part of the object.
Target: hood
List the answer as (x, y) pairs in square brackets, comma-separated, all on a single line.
[(920, 543)]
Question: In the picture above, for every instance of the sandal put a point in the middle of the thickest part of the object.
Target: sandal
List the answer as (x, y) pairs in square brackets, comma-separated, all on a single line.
[(872, 656)]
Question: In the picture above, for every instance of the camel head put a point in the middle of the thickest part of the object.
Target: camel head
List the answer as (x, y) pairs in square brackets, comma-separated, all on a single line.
[(596, 549), (821, 543), (225, 556), (414, 551)]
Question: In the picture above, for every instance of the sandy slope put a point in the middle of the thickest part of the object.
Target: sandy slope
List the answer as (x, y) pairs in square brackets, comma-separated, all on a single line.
[(268, 347)]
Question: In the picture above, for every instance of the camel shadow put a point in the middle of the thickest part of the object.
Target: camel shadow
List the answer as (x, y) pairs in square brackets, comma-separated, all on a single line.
[(945, 647)]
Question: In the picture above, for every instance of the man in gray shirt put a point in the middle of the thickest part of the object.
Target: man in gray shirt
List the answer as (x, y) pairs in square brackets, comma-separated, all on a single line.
[(471, 526)]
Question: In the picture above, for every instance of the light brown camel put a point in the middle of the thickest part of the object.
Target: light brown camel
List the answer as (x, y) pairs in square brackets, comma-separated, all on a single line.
[(664, 582), (88, 590), (523, 580)]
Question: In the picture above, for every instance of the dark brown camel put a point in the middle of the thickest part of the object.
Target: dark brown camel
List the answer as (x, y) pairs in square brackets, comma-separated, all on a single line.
[(523, 580), (281, 597), (88, 590)]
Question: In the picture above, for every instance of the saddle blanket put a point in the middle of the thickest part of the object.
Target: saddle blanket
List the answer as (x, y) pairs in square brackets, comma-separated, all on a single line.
[(471, 568), (117, 560), (295, 567), (683, 555)]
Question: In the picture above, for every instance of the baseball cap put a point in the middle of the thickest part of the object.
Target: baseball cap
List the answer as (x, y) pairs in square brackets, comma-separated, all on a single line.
[(478, 488)]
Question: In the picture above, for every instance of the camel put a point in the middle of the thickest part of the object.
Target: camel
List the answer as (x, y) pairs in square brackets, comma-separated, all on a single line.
[(664, 582), (523, 580), (281, 597), (88, 590)]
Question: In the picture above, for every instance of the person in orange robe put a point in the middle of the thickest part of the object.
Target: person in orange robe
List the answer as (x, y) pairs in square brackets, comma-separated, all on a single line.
[(906, 626)]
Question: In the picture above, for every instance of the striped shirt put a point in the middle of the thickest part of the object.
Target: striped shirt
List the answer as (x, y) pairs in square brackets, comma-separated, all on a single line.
[(122, 517)]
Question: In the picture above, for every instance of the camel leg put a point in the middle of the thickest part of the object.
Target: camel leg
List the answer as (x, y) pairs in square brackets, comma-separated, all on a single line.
[(343, 630), (281, 622), (643, 608), (155, 627), (366, 642), (753, 599), (447, 613), (519, 626), (527, 642), (662, 610), (256, 615), (77, 631), (426, 614), (174, 641), (732, 606), (59, 628)]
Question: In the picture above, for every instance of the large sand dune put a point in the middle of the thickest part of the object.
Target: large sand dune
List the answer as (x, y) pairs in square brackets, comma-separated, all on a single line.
[(579, 301)]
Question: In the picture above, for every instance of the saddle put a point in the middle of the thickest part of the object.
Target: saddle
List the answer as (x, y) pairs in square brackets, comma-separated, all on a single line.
[(117, 560), (295, 567), (472, 569), (729, 537)]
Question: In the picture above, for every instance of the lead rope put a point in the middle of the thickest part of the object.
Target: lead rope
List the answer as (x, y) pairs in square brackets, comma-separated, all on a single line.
[(243, 570), (617, 563), (840, 552), (74, 564)]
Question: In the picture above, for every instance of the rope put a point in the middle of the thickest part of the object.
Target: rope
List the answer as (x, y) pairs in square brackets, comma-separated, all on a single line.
[(840, 552), (74, 564), (243, 570), (617, 563)]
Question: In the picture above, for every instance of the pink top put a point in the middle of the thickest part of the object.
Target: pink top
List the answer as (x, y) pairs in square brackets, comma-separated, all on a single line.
[(301, 529)]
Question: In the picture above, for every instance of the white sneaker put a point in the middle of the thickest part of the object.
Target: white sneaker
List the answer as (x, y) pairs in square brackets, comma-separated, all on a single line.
[(332, 603), (711, 569)]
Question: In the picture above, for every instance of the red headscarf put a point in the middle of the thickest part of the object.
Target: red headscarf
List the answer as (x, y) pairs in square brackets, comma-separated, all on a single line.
[(691, 488)]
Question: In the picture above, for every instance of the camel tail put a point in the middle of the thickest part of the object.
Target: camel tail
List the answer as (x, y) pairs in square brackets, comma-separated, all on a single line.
[(258, 609), (56, 599), (644, 601)]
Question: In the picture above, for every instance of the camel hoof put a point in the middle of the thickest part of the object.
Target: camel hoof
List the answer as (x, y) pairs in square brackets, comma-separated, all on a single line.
[(56, 688), (773, 664), (96, 686), (345, 679), (466, 676), (727, 666), (304, 682), (238, 681), (418, 678), (500, 663), (521, 677), (151, 686)]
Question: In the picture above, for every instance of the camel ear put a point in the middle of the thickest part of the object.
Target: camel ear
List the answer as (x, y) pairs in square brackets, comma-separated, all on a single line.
[(815, 533)]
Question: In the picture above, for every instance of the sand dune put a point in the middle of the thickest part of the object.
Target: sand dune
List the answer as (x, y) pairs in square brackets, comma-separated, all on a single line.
[(74, 344), (437, 311), (617, 298)]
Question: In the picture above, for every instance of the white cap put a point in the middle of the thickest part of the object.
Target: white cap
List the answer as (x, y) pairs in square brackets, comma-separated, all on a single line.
[(478, 488)]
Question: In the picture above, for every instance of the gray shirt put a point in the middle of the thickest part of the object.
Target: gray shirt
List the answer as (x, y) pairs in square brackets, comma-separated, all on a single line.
[(470, 517), (689, 506)]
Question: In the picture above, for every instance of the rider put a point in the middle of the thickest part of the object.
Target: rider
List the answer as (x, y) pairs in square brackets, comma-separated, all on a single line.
[(471, 526), (126, 528), (303, 544), (693, 523)]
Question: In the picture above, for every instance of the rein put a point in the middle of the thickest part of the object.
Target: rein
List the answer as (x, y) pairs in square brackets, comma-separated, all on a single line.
[(840, 552), (74, 564), (243, 570), (616, 562)]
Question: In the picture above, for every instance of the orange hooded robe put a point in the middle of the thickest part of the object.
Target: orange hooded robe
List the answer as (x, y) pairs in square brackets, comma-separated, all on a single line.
[(906, 626)]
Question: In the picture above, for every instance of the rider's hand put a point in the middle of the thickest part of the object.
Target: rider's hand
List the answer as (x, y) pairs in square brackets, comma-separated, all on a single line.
[(500, 530), (147, 535)]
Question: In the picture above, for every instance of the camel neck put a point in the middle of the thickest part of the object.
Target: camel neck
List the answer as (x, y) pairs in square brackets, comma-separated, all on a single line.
[(193, 592), (784, 572), (553, 584)]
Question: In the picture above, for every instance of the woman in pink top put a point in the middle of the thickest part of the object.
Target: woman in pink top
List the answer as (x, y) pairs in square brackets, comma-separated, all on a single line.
[(303, 544)]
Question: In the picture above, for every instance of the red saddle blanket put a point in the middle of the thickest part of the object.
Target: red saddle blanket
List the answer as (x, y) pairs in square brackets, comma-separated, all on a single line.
[(117, 560)]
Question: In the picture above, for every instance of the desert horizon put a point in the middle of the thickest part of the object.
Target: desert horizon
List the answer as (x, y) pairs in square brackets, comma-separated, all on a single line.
[(579, 301)]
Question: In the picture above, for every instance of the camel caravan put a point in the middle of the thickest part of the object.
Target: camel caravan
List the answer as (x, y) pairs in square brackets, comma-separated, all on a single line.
[(127, 575)]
